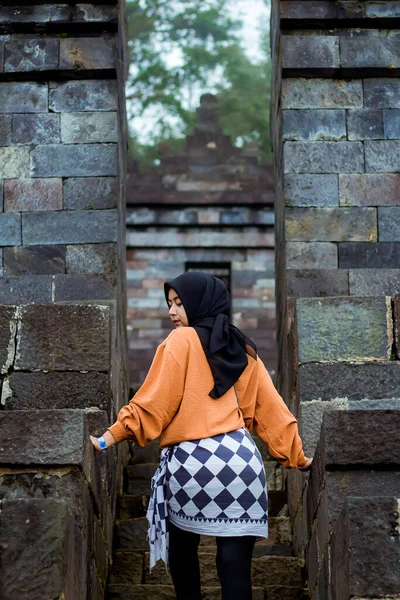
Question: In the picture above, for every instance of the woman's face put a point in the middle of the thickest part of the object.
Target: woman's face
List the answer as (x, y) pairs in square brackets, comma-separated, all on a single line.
[(176, 310)]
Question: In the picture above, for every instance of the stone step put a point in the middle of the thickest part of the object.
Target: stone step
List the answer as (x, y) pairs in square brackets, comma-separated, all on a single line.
[(130, 506), (166, 592), (131, 534), (147, 454)]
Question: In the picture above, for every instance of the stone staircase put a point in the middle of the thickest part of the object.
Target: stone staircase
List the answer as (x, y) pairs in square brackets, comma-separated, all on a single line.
[(276, 573)]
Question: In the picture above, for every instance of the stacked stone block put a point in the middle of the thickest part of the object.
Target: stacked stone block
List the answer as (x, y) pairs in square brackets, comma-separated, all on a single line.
[(336, 140), (62, 306), (209, 206)]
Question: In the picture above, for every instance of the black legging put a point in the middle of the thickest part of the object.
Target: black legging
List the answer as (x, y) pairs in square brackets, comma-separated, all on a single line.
[(233, 565)]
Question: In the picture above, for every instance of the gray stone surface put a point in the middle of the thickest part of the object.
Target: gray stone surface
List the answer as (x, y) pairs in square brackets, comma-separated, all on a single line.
[(396, 312), (34, 260), (36, 129), (64, 337), (331, 224), (313, 283), (14, 162), (311, 190), (311, 255), (373, 282), (382, 93), (90, 13), (78, 287), (89, 127), (90, 193), (24, 289), (10, 230), (389, 224), (58, 390), (343, 329), (380, 50), (324, 157), (39, 54), (369, 189), (92, 258), (369, 255), (312, 52), (391, 120), (361, 437), (87, 53), (373, 380), (33, 195), (310, 420), (365, 124), (314, 125), (5, 130), (42, 13), (320, 9), (382, 156), (23, 97), (75, 160), (7, 333), (321, 93), (72, 227), (82, 96)]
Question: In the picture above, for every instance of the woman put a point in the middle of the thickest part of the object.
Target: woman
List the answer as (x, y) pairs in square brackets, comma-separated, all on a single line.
[(205, 392)]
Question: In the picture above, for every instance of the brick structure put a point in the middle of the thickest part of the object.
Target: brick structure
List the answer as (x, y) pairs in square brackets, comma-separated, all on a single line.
[(62, 294), (208, 208), (336, 140)]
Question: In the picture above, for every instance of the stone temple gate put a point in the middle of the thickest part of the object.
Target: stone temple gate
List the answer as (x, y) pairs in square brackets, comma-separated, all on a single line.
[(63, 348)]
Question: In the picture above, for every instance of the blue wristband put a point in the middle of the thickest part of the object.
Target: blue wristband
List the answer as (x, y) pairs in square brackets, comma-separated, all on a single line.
[(102, 443)]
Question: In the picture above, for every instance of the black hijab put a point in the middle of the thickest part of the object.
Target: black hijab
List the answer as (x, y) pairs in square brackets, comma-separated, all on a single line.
[(206, 302)]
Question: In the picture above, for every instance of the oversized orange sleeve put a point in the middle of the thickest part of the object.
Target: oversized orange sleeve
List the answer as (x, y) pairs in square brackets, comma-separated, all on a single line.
[(154, 406), (276, 425)]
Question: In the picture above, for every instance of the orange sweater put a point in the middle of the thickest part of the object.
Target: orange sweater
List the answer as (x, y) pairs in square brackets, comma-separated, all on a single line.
[(173, 403)]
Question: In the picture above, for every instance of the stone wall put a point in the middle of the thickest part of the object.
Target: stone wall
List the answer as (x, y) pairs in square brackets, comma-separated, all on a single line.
[(62, 294), (336, 140), (209, 207)]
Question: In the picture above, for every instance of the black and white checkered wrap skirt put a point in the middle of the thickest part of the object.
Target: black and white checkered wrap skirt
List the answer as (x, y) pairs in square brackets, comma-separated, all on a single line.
[(213, 486)]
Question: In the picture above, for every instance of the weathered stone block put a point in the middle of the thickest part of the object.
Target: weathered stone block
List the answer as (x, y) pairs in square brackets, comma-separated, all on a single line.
[(7, 335), (138, 478), (370, 51), (331, 224), (277, 570), (78, 287), (389, 224), (310, 420), (369, 189), (365, 124), (39, 54), (5, 130), (25, 289), (349, 381), (382, 93), (397, 324), (127, 568), (90, 193), (341, 329), (14, 162), (310, 52), (36, 14), (10, 230), (369, 255), (92, 258), (321, 93), (391, 120), (382, 156), (90, 13), (373, 282), (314, 125), (320, 9), (36, 129), (366, 549), (361, 437), (311, 255), (72, 227), (89, 128), (317, 282), (87, 53), (34, 260), (32, 194), (132, 534), (57, 390), (64, 337), (43, 552), (382, 9), (23, 97), (324, 157), (82, 96), (76, 160), (311, 190)]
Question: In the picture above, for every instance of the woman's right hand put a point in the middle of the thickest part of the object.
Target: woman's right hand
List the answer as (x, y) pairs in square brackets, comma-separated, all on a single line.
[(307, 466)]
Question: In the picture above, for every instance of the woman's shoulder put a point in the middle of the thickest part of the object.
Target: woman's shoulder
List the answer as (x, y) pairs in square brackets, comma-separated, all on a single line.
[(180, 338)]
